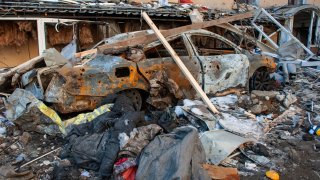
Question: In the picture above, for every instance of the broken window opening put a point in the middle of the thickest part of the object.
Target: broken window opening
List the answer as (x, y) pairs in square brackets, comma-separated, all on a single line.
[(301, 27), (296, 2), (122, 72), (209, 46), (161, 52)]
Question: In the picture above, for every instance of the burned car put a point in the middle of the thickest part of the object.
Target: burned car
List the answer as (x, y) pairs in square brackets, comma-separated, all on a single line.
[(215, 62), (146, 73)]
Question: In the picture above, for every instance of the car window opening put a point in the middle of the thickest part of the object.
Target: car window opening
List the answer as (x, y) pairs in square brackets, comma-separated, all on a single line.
[(209, 46), (122, 72), (161, 52)]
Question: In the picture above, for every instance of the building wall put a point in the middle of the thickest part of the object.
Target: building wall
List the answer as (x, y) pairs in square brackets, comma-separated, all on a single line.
[(270, 3), (313, 2), (216, 4), (12, 55)]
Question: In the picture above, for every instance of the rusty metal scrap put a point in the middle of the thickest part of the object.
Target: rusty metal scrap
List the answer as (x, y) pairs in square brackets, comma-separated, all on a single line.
[(86, 86), (163, 90), (257, 61)]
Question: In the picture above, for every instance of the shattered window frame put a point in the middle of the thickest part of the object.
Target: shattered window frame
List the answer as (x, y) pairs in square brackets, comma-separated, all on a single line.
[(155, 45), (236, 50)]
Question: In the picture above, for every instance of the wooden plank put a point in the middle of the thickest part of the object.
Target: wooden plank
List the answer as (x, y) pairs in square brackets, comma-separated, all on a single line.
[(221, 173), (145, 39), (181, 65)]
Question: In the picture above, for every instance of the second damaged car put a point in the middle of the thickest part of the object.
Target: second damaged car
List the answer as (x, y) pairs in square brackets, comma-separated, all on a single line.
[(215, 62)]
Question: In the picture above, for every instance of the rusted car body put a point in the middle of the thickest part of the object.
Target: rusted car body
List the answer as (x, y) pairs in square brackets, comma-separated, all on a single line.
[(215, 62)]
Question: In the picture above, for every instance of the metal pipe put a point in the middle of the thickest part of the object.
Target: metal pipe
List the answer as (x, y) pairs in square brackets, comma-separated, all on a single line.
[(310, 30), (265, 35), (288, 32), (309, 118), (285, 73)]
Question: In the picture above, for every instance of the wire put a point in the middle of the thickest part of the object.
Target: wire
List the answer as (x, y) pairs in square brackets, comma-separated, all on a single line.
[(66, 24)]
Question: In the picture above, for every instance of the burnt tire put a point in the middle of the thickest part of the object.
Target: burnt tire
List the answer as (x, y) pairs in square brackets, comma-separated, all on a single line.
[(261, 80)]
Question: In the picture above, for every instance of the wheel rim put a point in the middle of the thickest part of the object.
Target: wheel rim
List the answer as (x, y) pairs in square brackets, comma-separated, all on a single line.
[(262, 81)]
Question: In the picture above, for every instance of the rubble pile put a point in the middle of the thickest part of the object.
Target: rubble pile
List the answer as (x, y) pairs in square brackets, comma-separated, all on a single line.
[(255, 132), (130, 112)]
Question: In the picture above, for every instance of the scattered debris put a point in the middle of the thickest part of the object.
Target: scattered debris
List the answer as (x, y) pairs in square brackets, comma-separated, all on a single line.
[(224, 144), (8, 172), (25, 138), (130, 108)]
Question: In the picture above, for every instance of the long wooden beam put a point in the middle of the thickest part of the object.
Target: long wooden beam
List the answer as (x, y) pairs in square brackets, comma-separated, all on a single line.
[(145, 39), (179, 62)]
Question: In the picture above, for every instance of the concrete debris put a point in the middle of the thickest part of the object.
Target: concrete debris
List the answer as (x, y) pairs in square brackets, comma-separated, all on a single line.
[(130, 108), (226, 102), (289, 99), (14, 147), (258, 108), (243, 127), (25, 138), (269, 94), (3, 131), (46, 162)]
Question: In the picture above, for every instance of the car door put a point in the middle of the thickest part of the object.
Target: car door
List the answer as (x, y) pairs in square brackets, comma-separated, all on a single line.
[(223, 66)]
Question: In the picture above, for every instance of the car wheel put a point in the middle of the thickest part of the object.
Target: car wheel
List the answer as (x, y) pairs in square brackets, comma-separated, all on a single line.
[(261, 81)]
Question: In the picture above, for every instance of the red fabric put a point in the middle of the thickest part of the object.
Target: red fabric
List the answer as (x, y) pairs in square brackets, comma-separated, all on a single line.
[(186, 1), (130, 174), (121, 160)]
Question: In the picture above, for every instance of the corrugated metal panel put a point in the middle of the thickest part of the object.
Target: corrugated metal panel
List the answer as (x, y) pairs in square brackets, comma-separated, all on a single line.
[(56, 8)]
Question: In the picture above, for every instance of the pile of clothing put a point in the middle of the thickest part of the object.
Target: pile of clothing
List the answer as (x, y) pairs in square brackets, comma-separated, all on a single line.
[(129, 144)]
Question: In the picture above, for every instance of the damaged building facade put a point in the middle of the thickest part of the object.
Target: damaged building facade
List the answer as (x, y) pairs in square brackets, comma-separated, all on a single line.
[(39, 28), (168, 89)]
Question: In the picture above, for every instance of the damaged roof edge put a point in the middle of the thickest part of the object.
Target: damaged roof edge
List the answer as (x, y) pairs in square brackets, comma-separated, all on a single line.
[(289, 11)]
